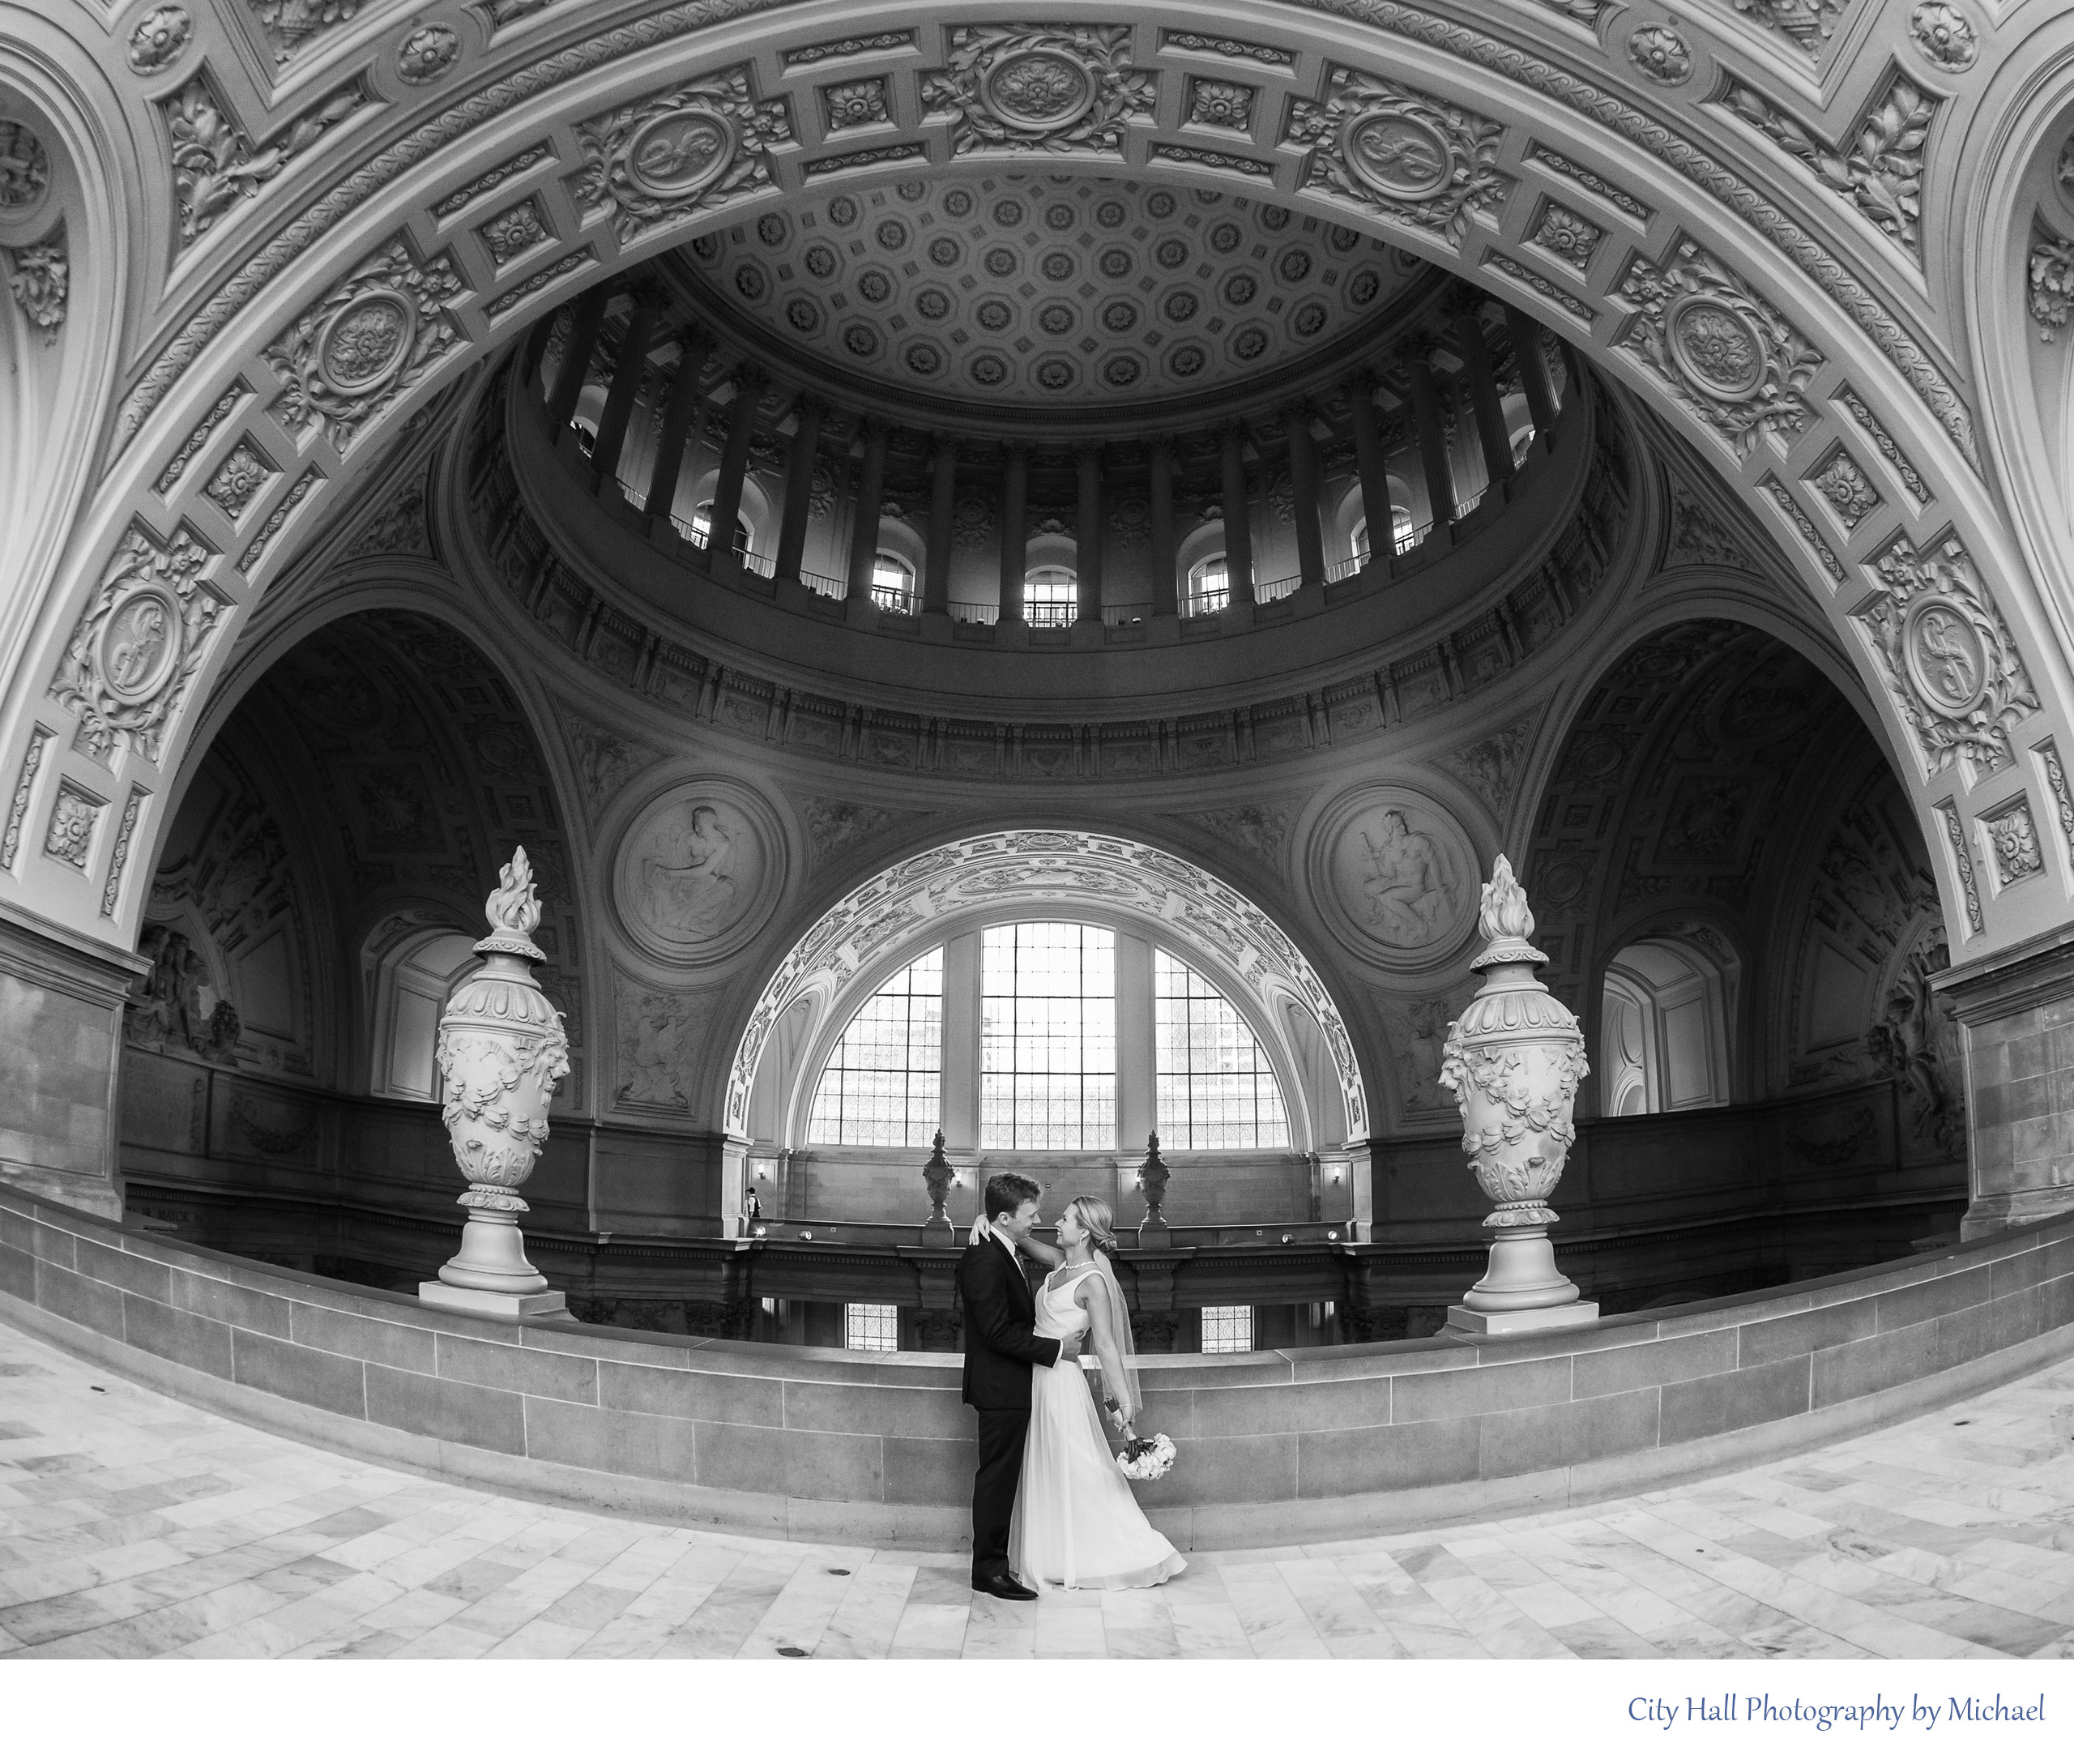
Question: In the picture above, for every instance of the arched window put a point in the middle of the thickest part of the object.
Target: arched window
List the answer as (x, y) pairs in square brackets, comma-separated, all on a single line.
[(702, 528), (1048, 1042), (1210, 588), (883, 1084), (1045, 1072), (892, 582), (1663, 1038), (1215, 1089), (1049, 596), (411, 987)]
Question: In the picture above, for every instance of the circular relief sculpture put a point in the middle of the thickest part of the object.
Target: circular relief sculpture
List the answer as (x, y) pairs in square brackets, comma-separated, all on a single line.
[(1718, 348), (1405, 158), (1274, 217), (1363, 286), (1040, 90), (957, 203), (860, 339), (1948, 662), (1109, 214), (1398, 875), (1294, 265), (821, 260), (875, 286), (1187, 361), (139, 646), (1119, 315), (1060, 216), (1122, 371), (933, 304), (892, 235), (945, 251), (24, 166), (994, 314), (1240, 288), (1250, 343), (1055, 319), (842, 211), (999, 261), (1224, 236), (1008, 212), (1180, 306), (924, 358), (772, 230), (803, 315), (1159, 204), (1944, 35), (910, 190), (1170, 254), (1056, 374), (1309, 320), (698, 871), (750, 282), (680, 153), (1058, 266), (366, 342), (1115, 263), (988, 370)]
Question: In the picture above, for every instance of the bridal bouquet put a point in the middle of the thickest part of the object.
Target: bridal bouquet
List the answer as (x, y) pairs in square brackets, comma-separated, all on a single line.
[(1144, 1460)]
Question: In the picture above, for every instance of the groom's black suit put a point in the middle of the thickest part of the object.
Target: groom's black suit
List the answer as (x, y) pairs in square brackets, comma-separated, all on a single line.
[(1000, 1346)]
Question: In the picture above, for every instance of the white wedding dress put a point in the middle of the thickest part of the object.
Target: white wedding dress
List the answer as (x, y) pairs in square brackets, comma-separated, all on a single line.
[(1076, 1521)]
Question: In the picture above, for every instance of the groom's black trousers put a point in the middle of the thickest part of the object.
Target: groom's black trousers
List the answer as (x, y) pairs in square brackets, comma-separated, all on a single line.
[(1001, 1434)]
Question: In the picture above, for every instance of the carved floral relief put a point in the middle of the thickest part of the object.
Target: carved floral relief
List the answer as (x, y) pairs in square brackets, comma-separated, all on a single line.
[(1948, 657), (1053, 88), (1422, 162), (671, 155), (1728, 354), (367, 344), (138, 644)]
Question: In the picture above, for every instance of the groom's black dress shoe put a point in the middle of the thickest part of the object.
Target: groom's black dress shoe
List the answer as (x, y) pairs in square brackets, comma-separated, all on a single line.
[(1002, 1586)]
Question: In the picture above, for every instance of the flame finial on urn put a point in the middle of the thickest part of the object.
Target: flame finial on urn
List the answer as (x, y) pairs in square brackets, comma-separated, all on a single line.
[(1506, 921), (514, 912)]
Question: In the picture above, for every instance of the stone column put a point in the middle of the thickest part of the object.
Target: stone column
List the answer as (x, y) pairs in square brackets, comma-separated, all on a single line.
[(1514, 1061), (585, 323), (1525, 333), (679, 414), (943, 526), (1166, 543), (799, 486), (1087, 538), (629, 368), (864, 525), (734, 463), (1431, 436), (1303, 487), (1374, 468), (1484, 396), (501, 1052), (1015, 529), (1238, 519)]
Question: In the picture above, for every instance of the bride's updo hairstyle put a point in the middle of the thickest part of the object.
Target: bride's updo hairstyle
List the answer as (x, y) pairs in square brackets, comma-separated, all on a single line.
[(1096, 1219)]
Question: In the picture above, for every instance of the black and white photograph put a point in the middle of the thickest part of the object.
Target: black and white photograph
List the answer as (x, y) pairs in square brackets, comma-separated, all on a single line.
[(896, 843)]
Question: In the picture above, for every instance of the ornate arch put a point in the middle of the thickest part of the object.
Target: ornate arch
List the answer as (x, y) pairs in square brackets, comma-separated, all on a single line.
[(1190, 908), (408, 199)]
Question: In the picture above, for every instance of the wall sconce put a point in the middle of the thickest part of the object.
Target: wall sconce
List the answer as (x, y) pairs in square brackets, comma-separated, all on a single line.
[(1336, 1173)]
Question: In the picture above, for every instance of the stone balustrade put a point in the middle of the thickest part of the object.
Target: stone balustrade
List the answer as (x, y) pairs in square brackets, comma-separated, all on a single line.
[(1289, 1445)]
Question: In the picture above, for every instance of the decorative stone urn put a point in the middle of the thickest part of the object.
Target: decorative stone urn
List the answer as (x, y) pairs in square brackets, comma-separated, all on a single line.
[(502, 1051), (1153, 1176), (1513, 1062), (937, 1176)]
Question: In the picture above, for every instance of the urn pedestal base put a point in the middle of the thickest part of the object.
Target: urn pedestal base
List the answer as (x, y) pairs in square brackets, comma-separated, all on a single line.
[(532, 1306), (1462, 1320)]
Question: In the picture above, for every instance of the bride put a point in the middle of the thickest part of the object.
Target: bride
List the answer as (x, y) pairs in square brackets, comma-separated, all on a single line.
[(1076, 1521)]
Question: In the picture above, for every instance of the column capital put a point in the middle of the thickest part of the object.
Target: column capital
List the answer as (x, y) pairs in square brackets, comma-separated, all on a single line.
[(1086, 451)]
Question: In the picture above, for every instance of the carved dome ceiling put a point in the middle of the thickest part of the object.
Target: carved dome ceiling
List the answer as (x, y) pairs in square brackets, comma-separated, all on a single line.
[(1051, 292)]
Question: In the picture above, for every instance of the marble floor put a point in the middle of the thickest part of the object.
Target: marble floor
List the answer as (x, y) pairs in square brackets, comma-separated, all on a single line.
[(133, 1525)]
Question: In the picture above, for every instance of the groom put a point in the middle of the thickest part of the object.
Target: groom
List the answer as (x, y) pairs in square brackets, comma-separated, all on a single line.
[(999, 1349)]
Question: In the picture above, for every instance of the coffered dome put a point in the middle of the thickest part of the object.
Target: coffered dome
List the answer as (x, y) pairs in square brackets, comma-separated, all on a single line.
[(1050, 292)]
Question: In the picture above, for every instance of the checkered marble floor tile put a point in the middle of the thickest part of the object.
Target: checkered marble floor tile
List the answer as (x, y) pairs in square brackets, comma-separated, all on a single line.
[(131, 1525)]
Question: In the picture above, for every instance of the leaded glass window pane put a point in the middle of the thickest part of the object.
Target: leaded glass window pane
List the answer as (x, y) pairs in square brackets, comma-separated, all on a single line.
[(1214, 1088), (883, 1085), (1047, 1077)]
